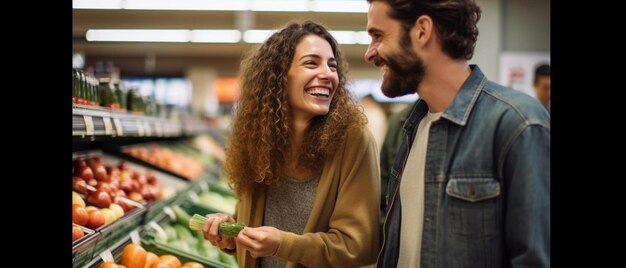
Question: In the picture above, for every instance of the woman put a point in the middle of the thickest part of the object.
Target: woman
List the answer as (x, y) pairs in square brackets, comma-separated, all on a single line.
[(300, 159)]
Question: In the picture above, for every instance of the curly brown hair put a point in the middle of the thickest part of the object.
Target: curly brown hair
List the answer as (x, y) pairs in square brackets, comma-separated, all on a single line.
[(455, 22), (259, 140)]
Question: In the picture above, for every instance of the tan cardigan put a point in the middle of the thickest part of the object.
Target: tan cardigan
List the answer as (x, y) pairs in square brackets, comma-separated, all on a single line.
[(343, 228)]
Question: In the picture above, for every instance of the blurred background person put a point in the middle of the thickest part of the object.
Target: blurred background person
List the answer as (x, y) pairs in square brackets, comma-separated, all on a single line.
[(376, 118), (542, 84)]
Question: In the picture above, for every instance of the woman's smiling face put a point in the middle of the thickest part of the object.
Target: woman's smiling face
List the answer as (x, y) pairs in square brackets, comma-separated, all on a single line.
[(312, 78)]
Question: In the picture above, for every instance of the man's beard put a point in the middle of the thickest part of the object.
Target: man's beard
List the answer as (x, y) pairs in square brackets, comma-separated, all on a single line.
[(404, 73)]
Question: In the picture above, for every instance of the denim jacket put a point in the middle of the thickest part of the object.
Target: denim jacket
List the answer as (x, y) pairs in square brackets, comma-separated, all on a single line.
[(487, 181)]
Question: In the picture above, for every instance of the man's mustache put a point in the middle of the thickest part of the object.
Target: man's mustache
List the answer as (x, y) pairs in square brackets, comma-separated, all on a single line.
[(378, 61)]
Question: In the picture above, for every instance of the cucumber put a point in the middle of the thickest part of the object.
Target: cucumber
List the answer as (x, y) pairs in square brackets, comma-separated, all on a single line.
[(230, 228)]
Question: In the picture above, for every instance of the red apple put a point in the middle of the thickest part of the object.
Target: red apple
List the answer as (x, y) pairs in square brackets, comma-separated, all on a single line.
[(114, 173), (126, 186), (100, 173), (99, 198), (84, 172), (79, 215), (125, 206), (135, 186), (151, 178), (123, 166), (96, 219), (147, 193), (79, 163), (94, 162), (135, 196), (77, 233)]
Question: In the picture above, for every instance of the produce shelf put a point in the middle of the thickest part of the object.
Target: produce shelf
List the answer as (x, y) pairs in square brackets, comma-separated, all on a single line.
[(88, 121)]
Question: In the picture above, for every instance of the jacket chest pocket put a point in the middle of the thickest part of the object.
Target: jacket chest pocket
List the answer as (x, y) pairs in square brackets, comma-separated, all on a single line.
[(472, 207)]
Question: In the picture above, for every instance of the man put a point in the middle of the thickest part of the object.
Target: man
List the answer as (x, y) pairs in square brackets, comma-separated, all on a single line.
[(470, 186), (542, 84)]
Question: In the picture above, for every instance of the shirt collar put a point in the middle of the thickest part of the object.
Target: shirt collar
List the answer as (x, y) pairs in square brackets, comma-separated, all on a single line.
[(460, 108)]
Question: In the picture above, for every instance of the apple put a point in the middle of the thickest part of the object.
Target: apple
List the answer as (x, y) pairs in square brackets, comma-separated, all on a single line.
[(96, 219), (84, 172), (110, 188), (135, 196), (109, 215), (120, 202), (79, 215), (135, 186), (94, 162), (114, 173), (151, 178), (119, 193), (123, 166), (117, 209), (77, 233), (79, 163), (77, 200), (90, 208), (157, 191), (125, 176), (147, 193), (100, 173), (140, 178), (99, 198), (126, 186)]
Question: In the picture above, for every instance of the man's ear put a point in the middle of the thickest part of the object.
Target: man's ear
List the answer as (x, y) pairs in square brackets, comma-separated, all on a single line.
[(423, 29)]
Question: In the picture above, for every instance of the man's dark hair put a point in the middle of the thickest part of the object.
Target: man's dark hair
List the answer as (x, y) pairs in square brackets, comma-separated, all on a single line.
[(541, 70), (454, 20)]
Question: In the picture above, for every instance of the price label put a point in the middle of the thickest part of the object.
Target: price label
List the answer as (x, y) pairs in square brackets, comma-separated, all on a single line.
[(106, 256), (169, 213), (89, 125), (146, 128), (160, 232), (108, 126), (140, 128), (194, 197), (134, 236), (118, 126)]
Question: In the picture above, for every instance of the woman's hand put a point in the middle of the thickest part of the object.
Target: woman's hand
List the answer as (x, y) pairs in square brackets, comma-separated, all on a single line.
[(261, 241), (210, 231)]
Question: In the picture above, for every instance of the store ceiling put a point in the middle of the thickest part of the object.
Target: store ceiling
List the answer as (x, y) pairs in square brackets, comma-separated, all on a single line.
[(173, 58)]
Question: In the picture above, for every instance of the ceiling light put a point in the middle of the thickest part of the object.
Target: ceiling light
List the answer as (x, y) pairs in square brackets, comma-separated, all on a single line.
[(340, 6), (215, 36), (348, 6), (350, 37), (184, 5), (96, 4), (207, 36), (362, 38), (257, 36), (138, 35), (280, 5)]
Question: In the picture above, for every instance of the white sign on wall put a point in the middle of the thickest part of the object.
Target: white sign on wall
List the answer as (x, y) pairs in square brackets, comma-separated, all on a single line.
[(363, 87), (517, 69)]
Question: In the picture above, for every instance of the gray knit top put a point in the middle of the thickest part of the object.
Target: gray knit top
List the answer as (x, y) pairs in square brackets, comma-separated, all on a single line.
[(287, 208)]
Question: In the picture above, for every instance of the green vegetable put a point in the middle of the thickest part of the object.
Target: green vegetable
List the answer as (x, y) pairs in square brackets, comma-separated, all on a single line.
[(230, 228), (225, 228)]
